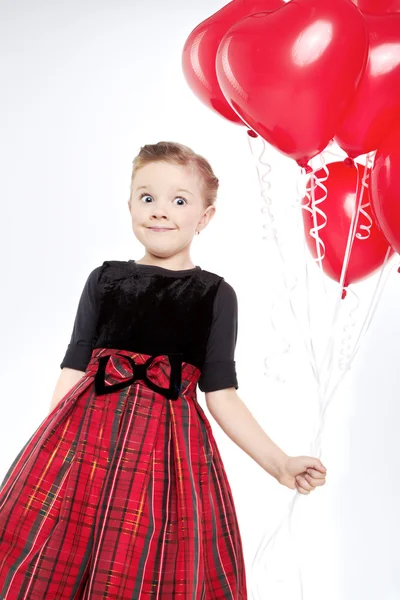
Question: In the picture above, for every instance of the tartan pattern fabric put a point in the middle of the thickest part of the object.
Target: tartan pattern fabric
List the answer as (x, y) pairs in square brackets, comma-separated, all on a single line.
[(119, 496)]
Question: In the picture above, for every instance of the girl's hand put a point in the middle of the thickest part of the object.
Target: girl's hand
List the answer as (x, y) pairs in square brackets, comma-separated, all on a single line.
[(303, 472)]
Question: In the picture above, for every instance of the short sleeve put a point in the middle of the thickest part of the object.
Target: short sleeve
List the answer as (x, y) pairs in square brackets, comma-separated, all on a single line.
[(219, 371), (79, 350)]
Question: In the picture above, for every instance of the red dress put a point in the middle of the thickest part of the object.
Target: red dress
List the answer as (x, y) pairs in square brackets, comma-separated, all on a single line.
[(121, 492)]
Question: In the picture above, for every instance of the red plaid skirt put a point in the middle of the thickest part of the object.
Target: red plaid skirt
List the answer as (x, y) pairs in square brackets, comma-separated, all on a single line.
[(121, 493)]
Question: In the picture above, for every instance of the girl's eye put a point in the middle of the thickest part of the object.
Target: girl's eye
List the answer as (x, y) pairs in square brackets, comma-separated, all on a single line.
[(180, 198), (144, 195)]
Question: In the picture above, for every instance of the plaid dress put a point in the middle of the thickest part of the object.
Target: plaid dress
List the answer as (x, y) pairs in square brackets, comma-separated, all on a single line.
[(121, 492)]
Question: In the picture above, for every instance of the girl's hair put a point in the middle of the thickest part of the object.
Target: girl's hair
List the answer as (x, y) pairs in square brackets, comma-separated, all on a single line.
[(180, 155)]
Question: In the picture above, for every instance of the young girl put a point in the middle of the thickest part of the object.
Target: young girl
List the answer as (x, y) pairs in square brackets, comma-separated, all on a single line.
[(121, 493)]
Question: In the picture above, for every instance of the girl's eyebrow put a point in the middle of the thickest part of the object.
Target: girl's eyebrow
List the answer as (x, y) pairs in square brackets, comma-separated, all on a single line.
[(148, 187)]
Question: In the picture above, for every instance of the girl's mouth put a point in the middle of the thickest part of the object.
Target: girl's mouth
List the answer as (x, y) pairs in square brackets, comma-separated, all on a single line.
[(160, 229)]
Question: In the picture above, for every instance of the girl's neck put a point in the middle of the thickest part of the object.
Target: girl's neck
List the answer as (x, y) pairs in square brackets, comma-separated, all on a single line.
[(166, 264)]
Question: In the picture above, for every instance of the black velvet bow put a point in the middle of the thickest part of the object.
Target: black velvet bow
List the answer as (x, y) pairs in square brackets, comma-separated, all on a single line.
[(150, 369)]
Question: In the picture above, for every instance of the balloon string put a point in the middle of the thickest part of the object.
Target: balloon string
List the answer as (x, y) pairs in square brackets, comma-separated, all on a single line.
[(324, 398), (352, 230), (263, 546), (319, 243), (350, 239), (381, 283), (345, 365), (349, 329), (314, 232), (266, 209), (345, 351), (316, 445), (364, 183), (265, 186), (277, 307), (316, 371), (315, 210), (375, 300)]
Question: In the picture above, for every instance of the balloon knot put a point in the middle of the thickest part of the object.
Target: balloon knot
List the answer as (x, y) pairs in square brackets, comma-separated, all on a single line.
[(303, 163), (398, 270), (349, 162), (344, 293), (252, 133)]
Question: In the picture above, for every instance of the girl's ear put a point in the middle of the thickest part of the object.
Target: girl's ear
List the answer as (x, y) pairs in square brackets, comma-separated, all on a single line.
[(210, 212)]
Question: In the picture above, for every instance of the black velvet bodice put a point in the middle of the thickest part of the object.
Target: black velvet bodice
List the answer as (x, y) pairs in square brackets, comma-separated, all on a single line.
[(155, 315)]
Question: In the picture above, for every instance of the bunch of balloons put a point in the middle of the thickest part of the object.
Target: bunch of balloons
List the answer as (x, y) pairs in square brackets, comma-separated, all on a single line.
[(304, 73)]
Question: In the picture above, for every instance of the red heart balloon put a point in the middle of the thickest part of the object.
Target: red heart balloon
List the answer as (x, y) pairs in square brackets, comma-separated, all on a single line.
[(378, 7), (385, 187), (291, 74), (376, 105), (367, 255), (200, 50)]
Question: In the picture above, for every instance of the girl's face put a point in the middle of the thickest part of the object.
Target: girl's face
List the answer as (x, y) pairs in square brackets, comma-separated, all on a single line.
[(169, 196)]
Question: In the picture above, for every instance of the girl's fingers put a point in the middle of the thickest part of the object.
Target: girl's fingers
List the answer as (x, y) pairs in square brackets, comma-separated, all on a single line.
[(307, 482), (314, 482), (302, 490), (304, 484), (316, 474)]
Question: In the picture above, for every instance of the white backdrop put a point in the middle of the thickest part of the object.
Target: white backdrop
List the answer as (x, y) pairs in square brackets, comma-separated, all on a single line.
[(84, 85)]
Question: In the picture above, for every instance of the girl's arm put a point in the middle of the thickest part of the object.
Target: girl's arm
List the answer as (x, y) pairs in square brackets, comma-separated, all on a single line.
[(66, 381), (79, 349), (219, 382), (233, 416)]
